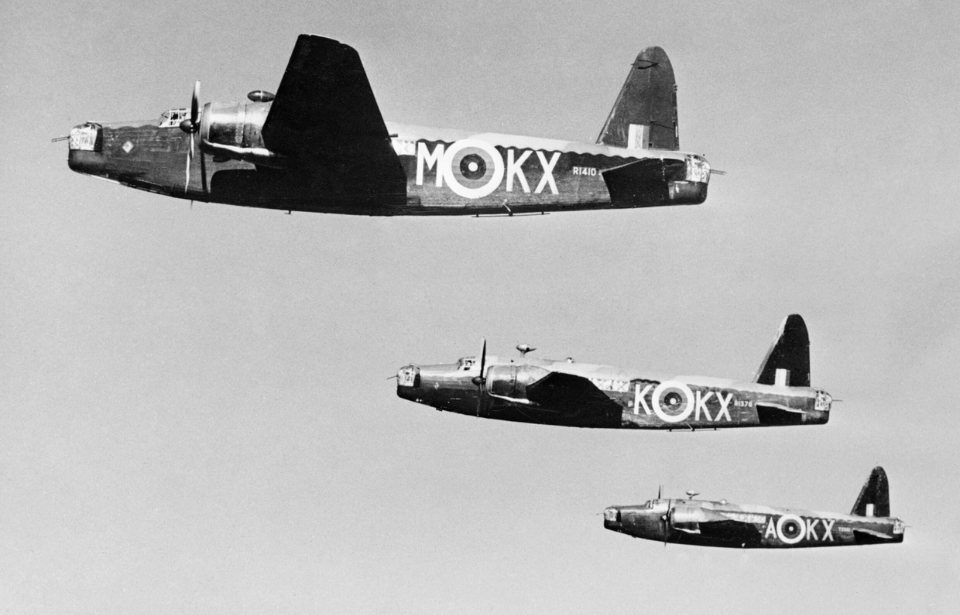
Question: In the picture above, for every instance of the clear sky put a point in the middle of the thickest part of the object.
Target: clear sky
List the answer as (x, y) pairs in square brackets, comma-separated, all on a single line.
[(195, 411)]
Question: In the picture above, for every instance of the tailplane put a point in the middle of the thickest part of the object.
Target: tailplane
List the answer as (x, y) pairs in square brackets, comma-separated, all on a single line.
[(874, 499), (645, 114), (788, 361)]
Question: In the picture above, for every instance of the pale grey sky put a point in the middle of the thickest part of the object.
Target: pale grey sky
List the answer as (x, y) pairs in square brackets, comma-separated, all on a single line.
[(194, 410)]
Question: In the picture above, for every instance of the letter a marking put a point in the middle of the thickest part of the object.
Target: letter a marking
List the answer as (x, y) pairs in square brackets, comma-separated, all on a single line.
[(771, 531)]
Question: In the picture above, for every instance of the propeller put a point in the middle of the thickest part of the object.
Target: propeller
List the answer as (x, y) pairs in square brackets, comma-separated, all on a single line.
[(665, 519), (191, 126), (480, 380)]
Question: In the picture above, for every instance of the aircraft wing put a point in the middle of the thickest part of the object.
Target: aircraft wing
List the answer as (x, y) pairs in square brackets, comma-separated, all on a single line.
[(325, 111), (729, 530), (574, 396)]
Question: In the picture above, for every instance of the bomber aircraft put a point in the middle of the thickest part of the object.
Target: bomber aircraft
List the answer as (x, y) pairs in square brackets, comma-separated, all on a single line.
[(722, 524), (320, 144), (583, 395)]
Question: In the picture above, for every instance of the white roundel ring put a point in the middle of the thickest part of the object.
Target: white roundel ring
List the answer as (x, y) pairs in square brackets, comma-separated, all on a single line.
[(473, 169), (790, 529), (670, 388)]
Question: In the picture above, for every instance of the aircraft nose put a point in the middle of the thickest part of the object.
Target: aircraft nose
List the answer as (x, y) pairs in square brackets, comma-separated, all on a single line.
[(86, 149), (408, 383), (611, 518)]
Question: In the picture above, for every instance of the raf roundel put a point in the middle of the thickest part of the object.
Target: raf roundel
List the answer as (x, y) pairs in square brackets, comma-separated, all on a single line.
[(790, 529), (472, 169), (675, 396)]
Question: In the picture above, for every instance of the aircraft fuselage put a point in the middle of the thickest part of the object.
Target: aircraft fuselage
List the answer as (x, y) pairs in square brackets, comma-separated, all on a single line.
[(513, 390), (447, 172), (721, 524)]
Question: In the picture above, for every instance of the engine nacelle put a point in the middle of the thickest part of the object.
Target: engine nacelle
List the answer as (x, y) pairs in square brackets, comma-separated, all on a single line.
[(233, 131), (512, 380), (233, 124)]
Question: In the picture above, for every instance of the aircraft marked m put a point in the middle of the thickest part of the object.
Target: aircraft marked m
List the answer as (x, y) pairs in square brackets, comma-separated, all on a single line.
[(432, 161)]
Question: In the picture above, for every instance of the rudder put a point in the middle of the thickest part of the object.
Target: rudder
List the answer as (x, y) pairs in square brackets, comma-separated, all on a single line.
[(645, 114), (874, 498), (791, 353)]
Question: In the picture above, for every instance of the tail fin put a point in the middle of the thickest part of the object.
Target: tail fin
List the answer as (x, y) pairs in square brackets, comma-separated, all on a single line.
[(874, 500), (790, 353), (645, 114)]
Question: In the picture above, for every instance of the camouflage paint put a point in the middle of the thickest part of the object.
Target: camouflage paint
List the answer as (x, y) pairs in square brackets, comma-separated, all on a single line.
[(321, 145), (721, 524), (636, 400), (514, 174)]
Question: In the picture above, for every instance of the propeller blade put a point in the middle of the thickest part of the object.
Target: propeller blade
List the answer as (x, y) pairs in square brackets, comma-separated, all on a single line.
[(659, 491), (195, 103), (191, 126), (186, 185), (666, 524), (480, 380), (483, 355)]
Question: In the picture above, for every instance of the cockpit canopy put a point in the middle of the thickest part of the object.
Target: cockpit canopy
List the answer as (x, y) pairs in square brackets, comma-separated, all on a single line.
[(172, 117), (654, 505), (465, 364)]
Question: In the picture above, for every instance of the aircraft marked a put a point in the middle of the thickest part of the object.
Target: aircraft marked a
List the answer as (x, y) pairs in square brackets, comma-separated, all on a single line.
[(723, 524)]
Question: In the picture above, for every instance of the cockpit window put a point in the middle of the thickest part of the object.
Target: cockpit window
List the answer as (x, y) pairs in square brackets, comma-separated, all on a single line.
[(465, 364), (173, 117)]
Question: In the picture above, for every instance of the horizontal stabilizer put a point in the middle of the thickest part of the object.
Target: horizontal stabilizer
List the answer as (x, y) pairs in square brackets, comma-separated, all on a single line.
[(643, 181), (788, 361), (874, 499)]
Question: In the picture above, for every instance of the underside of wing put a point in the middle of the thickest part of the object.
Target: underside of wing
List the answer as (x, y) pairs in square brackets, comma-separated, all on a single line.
[(326, 117), (731, 531), (575, 397)]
